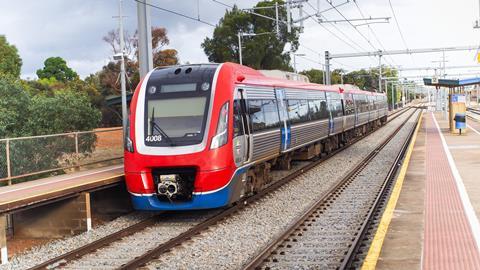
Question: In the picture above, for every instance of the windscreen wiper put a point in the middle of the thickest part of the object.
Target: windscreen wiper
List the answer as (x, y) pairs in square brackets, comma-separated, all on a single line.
[(155, 126)]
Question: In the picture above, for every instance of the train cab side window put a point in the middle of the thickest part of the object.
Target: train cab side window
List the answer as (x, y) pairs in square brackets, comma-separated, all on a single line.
[(257, 118), (237, 119), (298, 111), (263, 114)]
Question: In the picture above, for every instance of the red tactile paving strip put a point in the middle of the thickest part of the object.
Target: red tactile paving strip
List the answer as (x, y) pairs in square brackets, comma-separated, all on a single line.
[(448, 242)]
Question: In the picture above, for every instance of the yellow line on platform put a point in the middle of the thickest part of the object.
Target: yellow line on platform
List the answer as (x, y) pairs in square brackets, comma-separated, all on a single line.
[(371, 260)]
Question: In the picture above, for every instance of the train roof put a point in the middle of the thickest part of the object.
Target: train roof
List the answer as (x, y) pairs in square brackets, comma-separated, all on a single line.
[(248, 76)]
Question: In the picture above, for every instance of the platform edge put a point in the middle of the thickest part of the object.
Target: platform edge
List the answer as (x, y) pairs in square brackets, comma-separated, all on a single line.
[(375, 249)]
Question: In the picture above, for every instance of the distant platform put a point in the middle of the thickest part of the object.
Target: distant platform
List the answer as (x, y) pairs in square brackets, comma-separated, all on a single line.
[(23, 195), (435, 222)]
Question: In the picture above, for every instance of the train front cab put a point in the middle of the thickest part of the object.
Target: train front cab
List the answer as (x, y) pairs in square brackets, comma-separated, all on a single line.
[(180, 156)]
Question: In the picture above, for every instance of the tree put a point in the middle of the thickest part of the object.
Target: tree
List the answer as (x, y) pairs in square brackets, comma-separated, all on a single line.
[(314, 75), (28, 112), (108, 76), (10, 61), (14, 109), (65, 111), (57, 68), (263, 51)]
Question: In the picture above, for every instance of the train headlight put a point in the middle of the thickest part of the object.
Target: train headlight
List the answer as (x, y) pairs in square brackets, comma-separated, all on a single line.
[(221, 136)]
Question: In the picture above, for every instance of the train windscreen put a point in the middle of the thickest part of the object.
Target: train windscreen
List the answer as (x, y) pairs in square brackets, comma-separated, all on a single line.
[(177, 119), (177, 103)]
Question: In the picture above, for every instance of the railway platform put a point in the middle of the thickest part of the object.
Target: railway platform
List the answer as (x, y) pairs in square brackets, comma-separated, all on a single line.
[(431, 220), (61, 205)]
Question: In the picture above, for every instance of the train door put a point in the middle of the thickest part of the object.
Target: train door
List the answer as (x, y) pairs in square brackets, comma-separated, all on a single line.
[(344, 111), (357, 109), (284, 123), (330, 116), (241, 130)]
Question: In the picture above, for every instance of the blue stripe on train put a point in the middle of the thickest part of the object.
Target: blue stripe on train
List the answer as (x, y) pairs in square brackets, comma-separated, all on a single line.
[(288, 137), (215, 199)]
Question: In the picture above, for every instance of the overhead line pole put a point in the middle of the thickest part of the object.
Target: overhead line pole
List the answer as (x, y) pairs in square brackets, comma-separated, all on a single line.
[(380, 74), (145, 56), (122, 72)]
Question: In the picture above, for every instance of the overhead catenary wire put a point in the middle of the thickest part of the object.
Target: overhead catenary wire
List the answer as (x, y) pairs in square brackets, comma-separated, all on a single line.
[(360, 48), (398, 25), (373, 33), (399, 29), (249, 11), (351, 24), (175, 13), (338, 37), (333, 33)]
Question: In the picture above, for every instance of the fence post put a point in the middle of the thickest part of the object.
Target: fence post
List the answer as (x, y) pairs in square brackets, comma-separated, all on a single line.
[(9, 169), (3, 240), (76, 143)]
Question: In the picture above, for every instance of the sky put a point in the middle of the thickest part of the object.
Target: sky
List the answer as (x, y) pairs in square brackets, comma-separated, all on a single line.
[(73, 29)]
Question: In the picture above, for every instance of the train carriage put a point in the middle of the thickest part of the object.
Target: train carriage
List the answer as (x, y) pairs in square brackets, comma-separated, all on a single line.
[(204, 136)]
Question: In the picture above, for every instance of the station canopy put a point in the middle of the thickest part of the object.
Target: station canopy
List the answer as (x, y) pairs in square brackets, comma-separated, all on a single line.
[(451, 82)]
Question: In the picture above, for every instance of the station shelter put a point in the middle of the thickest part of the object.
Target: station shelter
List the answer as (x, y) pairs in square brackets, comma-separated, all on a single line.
[(455, 96)]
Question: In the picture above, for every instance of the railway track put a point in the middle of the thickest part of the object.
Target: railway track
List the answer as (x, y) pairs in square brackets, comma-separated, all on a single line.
[(188, 232), (310, 242), (475, 111)]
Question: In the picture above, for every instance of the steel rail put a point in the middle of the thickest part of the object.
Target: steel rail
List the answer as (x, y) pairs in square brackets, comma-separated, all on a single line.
[(383, 193), (257, 261), (95, 245), (109, 239)]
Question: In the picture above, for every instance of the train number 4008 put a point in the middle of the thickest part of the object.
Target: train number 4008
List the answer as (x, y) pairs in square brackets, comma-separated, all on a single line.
[(154, 138)]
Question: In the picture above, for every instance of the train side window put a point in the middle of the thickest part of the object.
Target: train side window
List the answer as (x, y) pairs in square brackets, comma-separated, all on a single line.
[(314, 109), (349, 105), (336, 107), (323, 109), (237, 119), (318, 109), (298, 111), (256, 115), (270, 110)]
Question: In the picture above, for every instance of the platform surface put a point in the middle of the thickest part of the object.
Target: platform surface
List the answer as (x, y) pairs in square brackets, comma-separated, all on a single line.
[(25, 194), (435, 222)]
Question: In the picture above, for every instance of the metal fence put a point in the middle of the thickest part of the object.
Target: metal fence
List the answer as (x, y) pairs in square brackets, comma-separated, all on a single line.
[(28, 158)]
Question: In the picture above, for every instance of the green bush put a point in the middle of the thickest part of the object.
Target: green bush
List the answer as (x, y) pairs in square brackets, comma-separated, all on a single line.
[(58, 111)]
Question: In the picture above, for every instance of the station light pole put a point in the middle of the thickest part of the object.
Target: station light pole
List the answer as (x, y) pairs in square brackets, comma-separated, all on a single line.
[(380, 74), (121, 57), (295, 60), (242, 34)]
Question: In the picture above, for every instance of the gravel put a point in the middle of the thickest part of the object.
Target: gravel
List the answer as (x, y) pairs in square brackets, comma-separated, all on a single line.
[(120, 252), (334, 227), (230, 244), (57, 247)]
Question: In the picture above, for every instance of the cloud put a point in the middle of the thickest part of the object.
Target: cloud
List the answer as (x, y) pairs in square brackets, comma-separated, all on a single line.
[(73, 30)]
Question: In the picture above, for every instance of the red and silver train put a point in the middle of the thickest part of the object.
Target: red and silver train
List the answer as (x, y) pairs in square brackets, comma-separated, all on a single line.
[(204, 136)]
